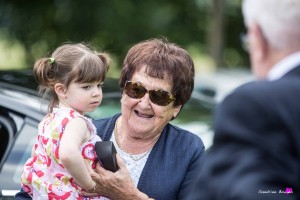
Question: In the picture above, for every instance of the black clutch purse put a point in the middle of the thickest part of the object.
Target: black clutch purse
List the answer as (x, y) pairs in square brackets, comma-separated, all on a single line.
[(106, 153)]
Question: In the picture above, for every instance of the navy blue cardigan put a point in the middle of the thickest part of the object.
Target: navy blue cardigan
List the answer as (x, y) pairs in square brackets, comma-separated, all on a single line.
[(172, 165)]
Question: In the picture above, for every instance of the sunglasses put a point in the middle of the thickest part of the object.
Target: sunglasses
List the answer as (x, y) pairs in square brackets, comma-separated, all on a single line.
[(158, 97)]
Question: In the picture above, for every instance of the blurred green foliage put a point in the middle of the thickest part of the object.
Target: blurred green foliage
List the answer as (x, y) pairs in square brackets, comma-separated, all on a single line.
[(114, 25)]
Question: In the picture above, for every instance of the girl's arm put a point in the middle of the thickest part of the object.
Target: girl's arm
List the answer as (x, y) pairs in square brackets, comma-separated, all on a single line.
[(33, 151), (75, 134)]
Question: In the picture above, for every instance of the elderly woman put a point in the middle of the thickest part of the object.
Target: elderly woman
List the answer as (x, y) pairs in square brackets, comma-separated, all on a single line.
[(157, 79), (156, 159)]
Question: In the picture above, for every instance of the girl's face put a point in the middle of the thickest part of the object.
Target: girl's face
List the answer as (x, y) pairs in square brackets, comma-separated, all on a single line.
[(82, 97), (141, 117)]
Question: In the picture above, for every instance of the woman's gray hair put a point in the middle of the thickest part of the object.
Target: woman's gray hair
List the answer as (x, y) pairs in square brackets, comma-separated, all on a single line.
[(279, 21)]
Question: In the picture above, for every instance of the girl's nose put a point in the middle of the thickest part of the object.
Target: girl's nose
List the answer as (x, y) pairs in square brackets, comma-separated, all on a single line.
[(97, 91)]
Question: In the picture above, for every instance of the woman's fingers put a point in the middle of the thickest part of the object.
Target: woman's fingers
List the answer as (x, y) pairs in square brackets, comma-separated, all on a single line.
[(87, 194)]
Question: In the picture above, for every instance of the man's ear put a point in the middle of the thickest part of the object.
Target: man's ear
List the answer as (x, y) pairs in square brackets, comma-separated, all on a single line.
[(260, 43), (60, 90)]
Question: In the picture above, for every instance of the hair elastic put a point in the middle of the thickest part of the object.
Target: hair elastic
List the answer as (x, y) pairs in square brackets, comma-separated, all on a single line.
[(52, 60)]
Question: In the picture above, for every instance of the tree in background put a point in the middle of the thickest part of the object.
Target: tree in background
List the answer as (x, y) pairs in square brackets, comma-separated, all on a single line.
[(114, 25)]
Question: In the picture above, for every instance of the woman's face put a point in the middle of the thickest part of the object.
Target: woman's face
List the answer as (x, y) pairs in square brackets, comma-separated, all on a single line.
[(141, 117)]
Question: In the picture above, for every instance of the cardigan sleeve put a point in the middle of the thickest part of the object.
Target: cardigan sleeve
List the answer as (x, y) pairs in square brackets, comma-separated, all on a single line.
[(172, 164)]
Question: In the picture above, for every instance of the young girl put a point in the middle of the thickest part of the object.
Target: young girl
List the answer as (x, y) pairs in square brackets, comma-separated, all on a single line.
[(72, 77)]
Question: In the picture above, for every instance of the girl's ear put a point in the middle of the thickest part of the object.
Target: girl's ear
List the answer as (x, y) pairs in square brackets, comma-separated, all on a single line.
[(60, 90)]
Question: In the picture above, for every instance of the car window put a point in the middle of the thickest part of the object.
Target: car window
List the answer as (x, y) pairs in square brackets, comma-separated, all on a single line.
[(6, 135), (12, 168)]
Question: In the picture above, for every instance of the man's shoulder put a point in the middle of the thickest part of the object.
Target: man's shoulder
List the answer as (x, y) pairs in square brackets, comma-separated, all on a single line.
[(249, 96), (254, 86), (263, 89), (259, 89)]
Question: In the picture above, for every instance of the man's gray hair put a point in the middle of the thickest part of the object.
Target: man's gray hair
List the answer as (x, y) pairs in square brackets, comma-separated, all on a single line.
[(279, 21)]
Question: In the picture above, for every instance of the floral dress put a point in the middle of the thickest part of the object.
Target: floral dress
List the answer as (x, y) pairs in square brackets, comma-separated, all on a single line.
[(44, 176)]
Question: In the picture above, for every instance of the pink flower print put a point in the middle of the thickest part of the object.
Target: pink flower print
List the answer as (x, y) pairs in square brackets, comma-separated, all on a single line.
[(57, 153), (28, 169), (57, 193), (42, 140), (45, 141), (88, 152), (64, 122), (48, 161), (60, 135), (26, 188), (72, 113), (43, 159), (32, 160), (31, 170), (59, 175), (73, 183), (55, 148), (63, 178), (39, 173)]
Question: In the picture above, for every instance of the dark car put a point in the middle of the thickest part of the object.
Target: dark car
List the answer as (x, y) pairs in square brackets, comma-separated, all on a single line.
[(21, 110)]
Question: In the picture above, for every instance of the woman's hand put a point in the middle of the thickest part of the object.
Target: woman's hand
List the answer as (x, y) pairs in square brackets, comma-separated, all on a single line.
[(114, 185)]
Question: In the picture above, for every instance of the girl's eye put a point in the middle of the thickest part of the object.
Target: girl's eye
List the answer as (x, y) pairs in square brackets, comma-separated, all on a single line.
[(100, 85), (86, 87)]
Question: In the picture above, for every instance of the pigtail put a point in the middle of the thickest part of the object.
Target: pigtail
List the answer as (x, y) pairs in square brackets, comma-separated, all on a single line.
[(40, 70), (44, 73)]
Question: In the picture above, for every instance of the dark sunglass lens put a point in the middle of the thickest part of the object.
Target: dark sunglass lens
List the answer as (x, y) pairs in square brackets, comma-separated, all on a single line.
[(134, 90), (160, 97)]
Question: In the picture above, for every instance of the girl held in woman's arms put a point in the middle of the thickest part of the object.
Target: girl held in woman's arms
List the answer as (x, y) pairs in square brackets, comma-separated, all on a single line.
[(72, 77)]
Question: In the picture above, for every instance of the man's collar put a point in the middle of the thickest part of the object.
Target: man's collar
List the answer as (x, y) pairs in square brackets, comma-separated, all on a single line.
[(284, 66)]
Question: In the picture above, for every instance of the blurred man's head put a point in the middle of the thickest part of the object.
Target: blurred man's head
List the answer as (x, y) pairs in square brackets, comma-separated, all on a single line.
[(273, 31)]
